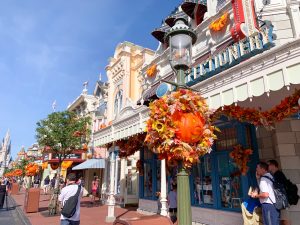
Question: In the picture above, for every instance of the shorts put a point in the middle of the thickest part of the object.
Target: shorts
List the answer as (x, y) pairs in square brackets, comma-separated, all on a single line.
[(284, 214), (173, 210), (94, 193)]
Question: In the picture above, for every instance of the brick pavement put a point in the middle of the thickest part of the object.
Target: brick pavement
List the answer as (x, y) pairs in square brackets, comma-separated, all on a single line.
[(90, 215)]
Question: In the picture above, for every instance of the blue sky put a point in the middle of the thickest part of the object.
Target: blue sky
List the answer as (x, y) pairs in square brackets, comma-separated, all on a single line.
[(49, 48)]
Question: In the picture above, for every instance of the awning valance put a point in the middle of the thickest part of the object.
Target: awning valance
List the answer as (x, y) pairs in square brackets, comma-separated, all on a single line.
[(91, 164), (265, 73)]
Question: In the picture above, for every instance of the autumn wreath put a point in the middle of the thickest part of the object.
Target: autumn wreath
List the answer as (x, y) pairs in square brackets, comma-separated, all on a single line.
[(179, 127), (241, 157)]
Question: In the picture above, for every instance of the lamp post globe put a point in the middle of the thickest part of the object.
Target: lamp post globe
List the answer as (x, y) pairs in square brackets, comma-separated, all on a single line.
[(181, 38)]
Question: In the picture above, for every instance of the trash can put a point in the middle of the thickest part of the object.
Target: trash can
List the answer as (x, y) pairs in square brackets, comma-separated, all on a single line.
[(32, 199), (15, 189)]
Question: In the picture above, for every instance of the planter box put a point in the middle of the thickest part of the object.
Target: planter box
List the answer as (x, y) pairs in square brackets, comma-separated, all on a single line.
[(32, 200)]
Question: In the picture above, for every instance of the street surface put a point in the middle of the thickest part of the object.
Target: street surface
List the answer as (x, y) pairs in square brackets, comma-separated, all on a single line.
[(12, 214)]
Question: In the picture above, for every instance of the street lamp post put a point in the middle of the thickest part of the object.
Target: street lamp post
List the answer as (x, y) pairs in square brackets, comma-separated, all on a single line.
[(180, 39)]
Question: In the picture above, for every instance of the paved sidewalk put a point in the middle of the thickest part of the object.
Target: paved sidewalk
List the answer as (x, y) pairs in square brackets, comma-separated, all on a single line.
[(12, 214), (89, 214)]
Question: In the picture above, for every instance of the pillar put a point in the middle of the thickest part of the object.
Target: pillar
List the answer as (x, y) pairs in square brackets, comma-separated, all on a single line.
[(123, 179), (117, 170), (163, 191), (111, 199)]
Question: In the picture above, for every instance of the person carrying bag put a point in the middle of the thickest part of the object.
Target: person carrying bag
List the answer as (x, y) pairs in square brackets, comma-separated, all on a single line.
[(70, 199)]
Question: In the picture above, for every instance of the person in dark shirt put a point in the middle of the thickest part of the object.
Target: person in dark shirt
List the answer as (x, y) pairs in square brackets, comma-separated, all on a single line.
[(280, 178)]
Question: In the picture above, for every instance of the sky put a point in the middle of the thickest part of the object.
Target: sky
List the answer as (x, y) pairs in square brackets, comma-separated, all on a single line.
[(48, 49)]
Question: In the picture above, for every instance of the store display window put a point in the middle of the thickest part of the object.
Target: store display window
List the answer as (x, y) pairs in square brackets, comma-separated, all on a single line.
[(203, 182), (216, 182)]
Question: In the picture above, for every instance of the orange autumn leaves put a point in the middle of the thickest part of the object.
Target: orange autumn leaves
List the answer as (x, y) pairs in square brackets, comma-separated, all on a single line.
[(241, 157), (287, 107), (14, 173), (130, 146), (220, 23), (179, 127), (31, 169), (152, 70)]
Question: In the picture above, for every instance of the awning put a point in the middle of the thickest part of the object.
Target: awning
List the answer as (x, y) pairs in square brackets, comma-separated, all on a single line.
[(91, 164)]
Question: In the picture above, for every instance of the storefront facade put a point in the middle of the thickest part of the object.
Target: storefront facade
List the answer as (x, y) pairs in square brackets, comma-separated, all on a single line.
[(247, 54), (255, 69)]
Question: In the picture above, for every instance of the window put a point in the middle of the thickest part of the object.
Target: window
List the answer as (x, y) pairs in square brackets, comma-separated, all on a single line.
[(216, 181), (148, 180), (201, 172), (118, 102), (230, 182), (227, 139)]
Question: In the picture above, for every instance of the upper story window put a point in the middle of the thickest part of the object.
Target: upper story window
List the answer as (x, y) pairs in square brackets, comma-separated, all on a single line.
[(118, 102)]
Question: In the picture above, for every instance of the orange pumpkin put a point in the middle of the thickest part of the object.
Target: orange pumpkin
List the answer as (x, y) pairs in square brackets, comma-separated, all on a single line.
[(189, 126)]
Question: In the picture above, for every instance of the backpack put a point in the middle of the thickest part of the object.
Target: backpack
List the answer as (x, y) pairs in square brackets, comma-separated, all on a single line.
[(70, 205), (292, 192), (280, 195)]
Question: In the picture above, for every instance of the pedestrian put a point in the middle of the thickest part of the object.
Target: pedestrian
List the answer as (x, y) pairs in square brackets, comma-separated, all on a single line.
[(52, 182), (266, 195), (3, 192), (172, 202), (95, 186), (280, 178), (66, 192), (36, 182), (46, 185), (61, 182)]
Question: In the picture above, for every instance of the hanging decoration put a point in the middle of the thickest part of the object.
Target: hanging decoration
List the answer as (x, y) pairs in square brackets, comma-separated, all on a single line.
[(179, 127), (102, 125), (152, 71), (140, 168), (84, 147), (31, 169), (220, 23), (66, 164), (130, 146), (287, 107), (45, 165), (54, 166), (241, 157)]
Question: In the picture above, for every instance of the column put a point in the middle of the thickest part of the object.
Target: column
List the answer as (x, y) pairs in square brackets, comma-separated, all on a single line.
[(163, 192), (117, 170), (123, 179), (111, 199), (295, 17)]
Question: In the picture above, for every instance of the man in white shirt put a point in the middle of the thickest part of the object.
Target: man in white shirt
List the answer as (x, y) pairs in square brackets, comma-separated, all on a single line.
[(70, 190), (266, 195)]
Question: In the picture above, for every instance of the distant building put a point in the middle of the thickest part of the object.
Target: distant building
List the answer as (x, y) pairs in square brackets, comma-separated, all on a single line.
[(5, 157)]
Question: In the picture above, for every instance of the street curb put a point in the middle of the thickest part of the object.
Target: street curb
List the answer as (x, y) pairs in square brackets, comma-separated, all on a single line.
[(21, 213)]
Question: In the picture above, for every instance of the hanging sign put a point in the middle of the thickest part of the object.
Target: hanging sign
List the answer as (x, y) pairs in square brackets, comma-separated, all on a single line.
[(162, 90)]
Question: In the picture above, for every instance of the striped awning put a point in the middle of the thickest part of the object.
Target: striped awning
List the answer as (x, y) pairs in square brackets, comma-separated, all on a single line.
[(91, 164)]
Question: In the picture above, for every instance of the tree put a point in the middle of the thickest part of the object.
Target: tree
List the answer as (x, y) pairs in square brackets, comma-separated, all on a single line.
[(60, 134)]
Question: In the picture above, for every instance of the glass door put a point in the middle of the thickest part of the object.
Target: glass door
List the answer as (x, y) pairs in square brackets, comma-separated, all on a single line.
[(230, 189)]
